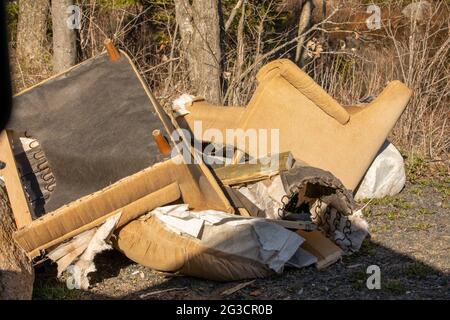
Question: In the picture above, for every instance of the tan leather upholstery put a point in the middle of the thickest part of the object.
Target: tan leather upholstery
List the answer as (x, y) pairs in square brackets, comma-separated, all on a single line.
[(313, 125)]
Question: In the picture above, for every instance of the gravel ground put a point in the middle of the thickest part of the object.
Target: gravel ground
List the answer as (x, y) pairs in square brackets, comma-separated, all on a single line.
[(410, 242)]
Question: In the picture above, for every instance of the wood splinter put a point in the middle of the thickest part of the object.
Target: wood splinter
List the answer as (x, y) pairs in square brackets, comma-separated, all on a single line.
[(113, 53)]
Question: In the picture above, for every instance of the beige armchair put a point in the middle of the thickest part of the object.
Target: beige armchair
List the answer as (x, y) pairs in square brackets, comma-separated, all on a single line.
[(312, 125)]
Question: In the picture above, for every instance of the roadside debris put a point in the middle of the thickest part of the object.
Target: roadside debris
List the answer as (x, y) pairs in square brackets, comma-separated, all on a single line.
[(211, 244), (83, 249), (237, 221), (261, 169), (386, 175), (180, 103), (316, 129), (267, 195), (321, 247), (68, 252), (330, 205)]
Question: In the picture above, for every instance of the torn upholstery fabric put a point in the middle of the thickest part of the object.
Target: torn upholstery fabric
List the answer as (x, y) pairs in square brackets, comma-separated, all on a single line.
[(226, 247), (83, 250), (312, 183), (331, 205)]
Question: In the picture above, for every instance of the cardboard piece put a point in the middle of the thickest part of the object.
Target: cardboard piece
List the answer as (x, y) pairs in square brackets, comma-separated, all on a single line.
[(242, 203), (266, 195), (320, 246), (251, 172), (312, 125)]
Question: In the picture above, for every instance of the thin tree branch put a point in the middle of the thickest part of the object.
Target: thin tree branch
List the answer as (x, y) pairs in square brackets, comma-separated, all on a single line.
[(275, 50), (233, 14)]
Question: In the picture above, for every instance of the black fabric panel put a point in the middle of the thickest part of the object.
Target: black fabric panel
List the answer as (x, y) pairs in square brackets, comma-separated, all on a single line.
[(94, 124)]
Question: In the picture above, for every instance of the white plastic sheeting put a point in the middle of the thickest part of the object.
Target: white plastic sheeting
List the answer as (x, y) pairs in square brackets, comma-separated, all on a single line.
[(386, 175)]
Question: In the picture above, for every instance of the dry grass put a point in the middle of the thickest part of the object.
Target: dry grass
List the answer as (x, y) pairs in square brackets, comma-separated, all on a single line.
[(415, 53)]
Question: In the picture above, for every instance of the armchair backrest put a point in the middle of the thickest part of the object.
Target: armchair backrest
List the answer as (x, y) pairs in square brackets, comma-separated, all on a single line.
[(305, 85)]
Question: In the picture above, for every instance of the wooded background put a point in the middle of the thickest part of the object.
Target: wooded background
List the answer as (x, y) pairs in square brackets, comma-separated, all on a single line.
[(214, 48)]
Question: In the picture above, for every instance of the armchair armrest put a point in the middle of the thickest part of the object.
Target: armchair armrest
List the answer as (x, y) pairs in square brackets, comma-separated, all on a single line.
[(214, 117)]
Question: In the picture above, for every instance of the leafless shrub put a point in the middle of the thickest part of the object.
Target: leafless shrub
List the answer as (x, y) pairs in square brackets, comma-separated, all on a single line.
[(353, 62), (415, 52)]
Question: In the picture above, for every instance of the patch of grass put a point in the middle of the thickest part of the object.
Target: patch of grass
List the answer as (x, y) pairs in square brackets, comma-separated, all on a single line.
[(393, 201), (358, 280), (12, 17), (417, 191), (443, 172), (443, 187), (393, 286), (382, 201), (382, 228), (421, 226), (425, 211), (414, 167), (445, 204), (367, 212), (368, 248), (52, 289), (109, 4), (425, 182), (394, 215), (417, 271), (402, 204)]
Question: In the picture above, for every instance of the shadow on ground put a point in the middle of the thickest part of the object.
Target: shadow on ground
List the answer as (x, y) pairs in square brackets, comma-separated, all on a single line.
[(410, 243), (119, 278)]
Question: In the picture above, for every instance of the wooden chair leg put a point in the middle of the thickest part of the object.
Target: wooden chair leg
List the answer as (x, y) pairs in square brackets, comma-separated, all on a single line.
[(14, 188)]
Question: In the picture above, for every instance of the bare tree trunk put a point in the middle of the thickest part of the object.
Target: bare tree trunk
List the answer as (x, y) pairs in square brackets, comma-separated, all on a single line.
[(32, 31), (16, 272), (64, 36), (303, 25), (200, 30)]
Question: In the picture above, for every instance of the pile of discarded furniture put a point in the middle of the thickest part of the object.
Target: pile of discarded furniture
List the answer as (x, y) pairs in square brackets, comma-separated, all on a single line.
[(90, 159)]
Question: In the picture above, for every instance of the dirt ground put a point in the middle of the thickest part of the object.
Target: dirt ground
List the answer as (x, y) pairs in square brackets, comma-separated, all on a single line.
[(410, 242)]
